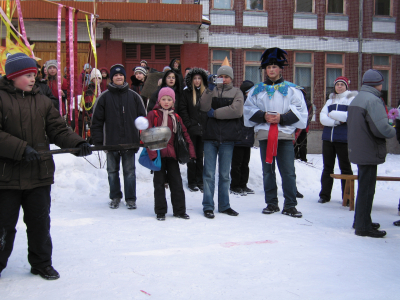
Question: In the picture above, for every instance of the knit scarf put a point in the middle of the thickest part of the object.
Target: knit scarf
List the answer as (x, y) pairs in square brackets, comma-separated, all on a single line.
[(272, 145), (166, 113)]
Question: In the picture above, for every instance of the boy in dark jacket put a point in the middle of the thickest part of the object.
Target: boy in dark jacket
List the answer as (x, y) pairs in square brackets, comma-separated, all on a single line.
[(113, 123), (241, 153), (29, 123), (367, 131), (221, 129)]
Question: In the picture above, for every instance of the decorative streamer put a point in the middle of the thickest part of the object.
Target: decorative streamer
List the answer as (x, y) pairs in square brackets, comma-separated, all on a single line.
[(8, 10), (62, 108), (93, 44), (67, 63), (75, 74), (71, 59), (22, 26)]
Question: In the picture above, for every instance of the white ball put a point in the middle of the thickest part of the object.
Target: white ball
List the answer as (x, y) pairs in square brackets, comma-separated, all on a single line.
[(141, 123)]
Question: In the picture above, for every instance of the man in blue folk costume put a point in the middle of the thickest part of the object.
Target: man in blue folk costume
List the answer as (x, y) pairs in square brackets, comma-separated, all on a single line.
[(275, 108)]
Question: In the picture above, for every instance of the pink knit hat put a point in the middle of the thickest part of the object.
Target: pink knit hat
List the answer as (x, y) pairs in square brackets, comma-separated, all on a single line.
[(166, 91)]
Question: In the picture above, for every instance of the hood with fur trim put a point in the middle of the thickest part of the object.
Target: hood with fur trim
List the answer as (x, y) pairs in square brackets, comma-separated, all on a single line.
[(346, 94), (190, 75)]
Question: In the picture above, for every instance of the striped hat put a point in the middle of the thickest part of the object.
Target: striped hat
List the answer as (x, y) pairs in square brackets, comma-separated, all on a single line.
[(19, 64), (343, 79), (141, 70), (373, 78)]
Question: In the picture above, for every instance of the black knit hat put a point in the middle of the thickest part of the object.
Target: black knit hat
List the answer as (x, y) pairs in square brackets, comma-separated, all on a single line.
[(246, 85), (19, 64), (274, 56), (118, 68)]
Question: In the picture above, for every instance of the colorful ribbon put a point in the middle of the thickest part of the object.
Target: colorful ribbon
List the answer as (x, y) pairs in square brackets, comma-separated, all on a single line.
[(71, 59), (22, 26), (92, 39), (59, 60)]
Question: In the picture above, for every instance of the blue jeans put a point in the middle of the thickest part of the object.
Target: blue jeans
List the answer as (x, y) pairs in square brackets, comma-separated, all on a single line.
[(365, 196), (128, 167), (224, 152), (285, 161)]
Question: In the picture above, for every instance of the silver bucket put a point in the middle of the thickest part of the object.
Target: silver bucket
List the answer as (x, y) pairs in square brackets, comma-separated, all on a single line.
[(160, 134)]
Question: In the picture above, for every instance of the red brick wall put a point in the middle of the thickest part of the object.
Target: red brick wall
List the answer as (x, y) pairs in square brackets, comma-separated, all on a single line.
[(194, 55), (109, 53)]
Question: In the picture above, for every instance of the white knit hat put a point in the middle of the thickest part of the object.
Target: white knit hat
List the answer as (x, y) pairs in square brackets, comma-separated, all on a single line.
[(95, 73)]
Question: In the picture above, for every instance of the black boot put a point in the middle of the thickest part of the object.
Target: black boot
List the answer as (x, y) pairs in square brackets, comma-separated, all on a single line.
[(47, 273), (371, 233)]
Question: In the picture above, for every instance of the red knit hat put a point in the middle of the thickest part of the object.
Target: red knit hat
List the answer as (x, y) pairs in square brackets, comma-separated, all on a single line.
[(343, 79), (166, 91)]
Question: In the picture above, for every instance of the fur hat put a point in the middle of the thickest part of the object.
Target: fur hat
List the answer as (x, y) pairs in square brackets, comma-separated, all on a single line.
[(140, 70), (373, 78), (118, 68), (274, 56), (19, 64), (190, 75), (166, 91), (52, 63), (343, 79), (95, 73)]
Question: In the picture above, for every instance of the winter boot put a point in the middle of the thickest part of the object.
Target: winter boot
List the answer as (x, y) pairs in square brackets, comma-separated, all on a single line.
[(293, 212), (193, 188), (230, 212), (299, 195), (201, 187), (237, 191), (161, 217), (371, 233), (270, 209), (114, 203), (397, 223), (374, 225), (182, 216), (131, 204), (209, 214), (247, 190), (47, 273)]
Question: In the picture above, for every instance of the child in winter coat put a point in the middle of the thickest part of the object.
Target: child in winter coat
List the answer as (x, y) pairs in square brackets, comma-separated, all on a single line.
[(163, 115), (105, 79), (334, 136), (29, 122)]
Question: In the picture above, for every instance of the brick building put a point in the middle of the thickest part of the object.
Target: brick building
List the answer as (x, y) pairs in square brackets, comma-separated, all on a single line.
[(324, 38)]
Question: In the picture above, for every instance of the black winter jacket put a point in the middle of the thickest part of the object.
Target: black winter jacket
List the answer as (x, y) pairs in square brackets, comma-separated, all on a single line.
[(45, 90), (114, 115)]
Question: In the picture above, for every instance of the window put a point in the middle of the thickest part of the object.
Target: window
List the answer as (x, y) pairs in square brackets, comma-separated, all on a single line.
[(303, 72), (171, 1), (138, 1), (255, 5), (252, 69), (382, 7), (223, 4), (334, 68), (336, 6), (305, 6), (382, 63), (218, 57)]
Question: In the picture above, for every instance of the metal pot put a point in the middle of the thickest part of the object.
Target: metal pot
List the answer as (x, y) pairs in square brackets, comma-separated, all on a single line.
[(161, 134)]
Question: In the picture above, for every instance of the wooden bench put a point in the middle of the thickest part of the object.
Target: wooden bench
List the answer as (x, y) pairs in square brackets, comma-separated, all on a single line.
[(348, 195)]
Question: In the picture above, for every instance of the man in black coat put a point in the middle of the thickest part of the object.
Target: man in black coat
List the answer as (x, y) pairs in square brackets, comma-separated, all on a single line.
[(113, 123)]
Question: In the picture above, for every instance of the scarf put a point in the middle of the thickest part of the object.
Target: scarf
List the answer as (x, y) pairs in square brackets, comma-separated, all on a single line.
[(272, 145), (166, 113)]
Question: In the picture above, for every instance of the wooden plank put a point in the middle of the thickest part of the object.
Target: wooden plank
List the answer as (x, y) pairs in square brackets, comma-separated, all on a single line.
[(355, 177)]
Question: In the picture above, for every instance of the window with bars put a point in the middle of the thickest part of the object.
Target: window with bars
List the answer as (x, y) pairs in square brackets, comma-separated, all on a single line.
[(217, 57), (222, 4), (335, 6), (382, 7), (382, 64), (252, 69), (334, 68), (131, 51), (304, 6), (303, 72)]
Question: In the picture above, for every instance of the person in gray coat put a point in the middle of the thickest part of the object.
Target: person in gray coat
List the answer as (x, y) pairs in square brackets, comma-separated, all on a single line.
[(368, 128)]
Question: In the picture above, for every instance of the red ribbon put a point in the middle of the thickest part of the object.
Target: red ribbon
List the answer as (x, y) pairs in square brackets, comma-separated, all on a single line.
[(272, 145), (67, 63)]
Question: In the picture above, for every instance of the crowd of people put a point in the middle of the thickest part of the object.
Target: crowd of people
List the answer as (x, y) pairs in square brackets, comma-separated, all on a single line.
[(219, 123)]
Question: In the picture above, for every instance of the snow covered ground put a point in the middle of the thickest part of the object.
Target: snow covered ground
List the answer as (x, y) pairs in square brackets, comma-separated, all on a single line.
[(122, 254)]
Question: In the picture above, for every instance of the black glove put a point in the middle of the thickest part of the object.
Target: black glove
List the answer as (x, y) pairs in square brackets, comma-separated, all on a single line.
[(31, 154), (85, 149)]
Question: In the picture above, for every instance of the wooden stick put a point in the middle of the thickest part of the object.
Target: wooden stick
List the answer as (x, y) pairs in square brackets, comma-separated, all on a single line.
[(81, 11)]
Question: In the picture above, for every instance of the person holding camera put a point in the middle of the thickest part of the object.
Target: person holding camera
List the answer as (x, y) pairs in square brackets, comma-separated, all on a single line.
[(275, 109), (221, 129)]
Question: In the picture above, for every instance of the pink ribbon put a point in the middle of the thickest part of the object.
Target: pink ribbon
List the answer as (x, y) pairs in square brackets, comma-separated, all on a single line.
[(21, 23), (71, 57), (59, 59)]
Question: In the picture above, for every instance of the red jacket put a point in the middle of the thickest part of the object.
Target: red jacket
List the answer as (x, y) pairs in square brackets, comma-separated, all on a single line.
[(169, 151), (53, 84)]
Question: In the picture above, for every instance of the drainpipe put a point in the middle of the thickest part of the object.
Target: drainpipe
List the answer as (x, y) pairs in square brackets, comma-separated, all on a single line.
[(360, 40)]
